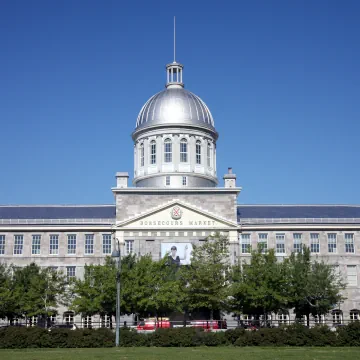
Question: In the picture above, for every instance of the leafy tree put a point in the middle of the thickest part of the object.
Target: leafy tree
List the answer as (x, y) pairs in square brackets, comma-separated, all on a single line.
[(155, 287), (38, 291), (260, 286), (95, 293), (314, 287), (206, 280), (147, 288), (8, 306)]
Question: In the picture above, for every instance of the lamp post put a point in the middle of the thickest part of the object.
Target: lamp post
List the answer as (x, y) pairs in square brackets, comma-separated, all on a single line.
[(117, 255)]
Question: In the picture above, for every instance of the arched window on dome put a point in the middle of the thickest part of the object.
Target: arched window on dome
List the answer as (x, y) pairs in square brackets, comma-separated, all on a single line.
[(167, 151), (209, 154), (153, 152), (183, 150), (198, 152), (142, 157)]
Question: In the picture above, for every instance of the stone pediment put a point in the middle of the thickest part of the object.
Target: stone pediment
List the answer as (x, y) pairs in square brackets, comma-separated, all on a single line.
[(177, 215)]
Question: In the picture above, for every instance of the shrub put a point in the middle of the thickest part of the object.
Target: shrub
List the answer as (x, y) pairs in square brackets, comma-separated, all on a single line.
[(349, 335), (233, 334)]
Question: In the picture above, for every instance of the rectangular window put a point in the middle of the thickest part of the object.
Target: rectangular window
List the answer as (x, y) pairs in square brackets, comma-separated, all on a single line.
[(106, 243), (337, 317), (35, 246), (69, 318), (71, 244), (106, 321), (354, 315), (280, 243), (167, 181), (87, 323), (208, 155), (184, 180), (153, 152), (314, 243), (283, 318), (297, 243), (89, 244), (129, 246), (18, 244), (2, 244), (198, 152), (70, 272), (168, 151), (183, 151), (351, 271), (349, 243), (142, 155), (262, 241), (332, 243), (54, 244), (245, 243)]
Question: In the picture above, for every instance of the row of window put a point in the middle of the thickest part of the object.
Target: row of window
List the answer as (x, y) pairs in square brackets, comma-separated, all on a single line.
[(245, 240), (284, 318), (168, 152), (54, 244), (105, 320)]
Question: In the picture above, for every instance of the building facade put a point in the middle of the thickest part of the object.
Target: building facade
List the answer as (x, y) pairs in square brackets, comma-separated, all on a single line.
[(175, 201)]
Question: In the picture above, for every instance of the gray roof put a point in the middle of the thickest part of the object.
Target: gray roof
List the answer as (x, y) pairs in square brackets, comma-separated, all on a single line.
[(314, 212), (175, 106), (57, 212), (244, 212)]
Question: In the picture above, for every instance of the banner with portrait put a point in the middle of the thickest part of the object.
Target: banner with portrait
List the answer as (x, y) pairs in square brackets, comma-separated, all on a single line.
[(177, 253)]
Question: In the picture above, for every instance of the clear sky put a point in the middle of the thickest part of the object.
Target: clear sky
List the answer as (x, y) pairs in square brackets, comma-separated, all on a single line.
[(281, 78)]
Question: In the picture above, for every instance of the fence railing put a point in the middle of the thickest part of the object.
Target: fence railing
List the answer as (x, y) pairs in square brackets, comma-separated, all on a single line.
[(153, 325)]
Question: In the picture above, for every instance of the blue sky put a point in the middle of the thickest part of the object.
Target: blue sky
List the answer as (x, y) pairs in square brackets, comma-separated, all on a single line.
[(281, 78)]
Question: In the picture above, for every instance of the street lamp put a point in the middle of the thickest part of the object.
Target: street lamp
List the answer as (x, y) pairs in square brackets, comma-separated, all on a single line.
[(116, 254)]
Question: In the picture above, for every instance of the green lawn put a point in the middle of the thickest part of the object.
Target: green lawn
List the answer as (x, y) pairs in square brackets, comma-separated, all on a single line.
[(227, 353)]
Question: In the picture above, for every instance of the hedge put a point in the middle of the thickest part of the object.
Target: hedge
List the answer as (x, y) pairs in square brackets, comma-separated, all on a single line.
[(294, 335)]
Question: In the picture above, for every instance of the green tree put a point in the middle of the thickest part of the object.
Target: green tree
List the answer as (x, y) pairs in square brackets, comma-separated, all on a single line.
[(38, 291), (9, 308), (95, 293), (260, 286), (155, 287), (314, 287), (206, 280)]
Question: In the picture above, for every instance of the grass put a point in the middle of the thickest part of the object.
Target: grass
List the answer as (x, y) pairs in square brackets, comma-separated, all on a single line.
[(196, 353)]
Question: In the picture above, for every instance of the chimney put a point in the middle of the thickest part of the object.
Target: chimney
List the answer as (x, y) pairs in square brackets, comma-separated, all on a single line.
[(230, 179), (122, 179)]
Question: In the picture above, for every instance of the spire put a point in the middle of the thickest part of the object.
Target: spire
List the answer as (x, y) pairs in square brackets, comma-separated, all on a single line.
[(174, 70), (174, 40)]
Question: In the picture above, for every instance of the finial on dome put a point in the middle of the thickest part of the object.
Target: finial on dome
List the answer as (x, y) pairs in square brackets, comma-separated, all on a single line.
[(174, 70)]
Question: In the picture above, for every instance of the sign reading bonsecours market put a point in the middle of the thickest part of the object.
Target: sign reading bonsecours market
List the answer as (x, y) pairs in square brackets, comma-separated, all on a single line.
[(177, 216)]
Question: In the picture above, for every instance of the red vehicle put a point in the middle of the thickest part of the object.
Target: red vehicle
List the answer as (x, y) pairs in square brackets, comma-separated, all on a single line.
[(153, 324), (205, 324)]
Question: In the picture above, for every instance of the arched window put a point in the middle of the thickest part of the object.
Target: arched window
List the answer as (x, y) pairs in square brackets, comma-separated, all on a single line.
[(153, 152), (183, 150), (167, 151), (208, 154), (142, 155), (198, 152)]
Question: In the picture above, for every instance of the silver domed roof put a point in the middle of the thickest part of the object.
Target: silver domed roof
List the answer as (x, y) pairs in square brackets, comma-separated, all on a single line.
[(175, 105)]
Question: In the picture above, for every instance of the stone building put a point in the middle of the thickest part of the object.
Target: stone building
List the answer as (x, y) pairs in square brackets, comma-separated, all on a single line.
[(175, 201)]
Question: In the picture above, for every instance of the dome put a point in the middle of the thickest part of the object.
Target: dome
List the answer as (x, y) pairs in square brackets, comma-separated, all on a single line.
[(175, 106)]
